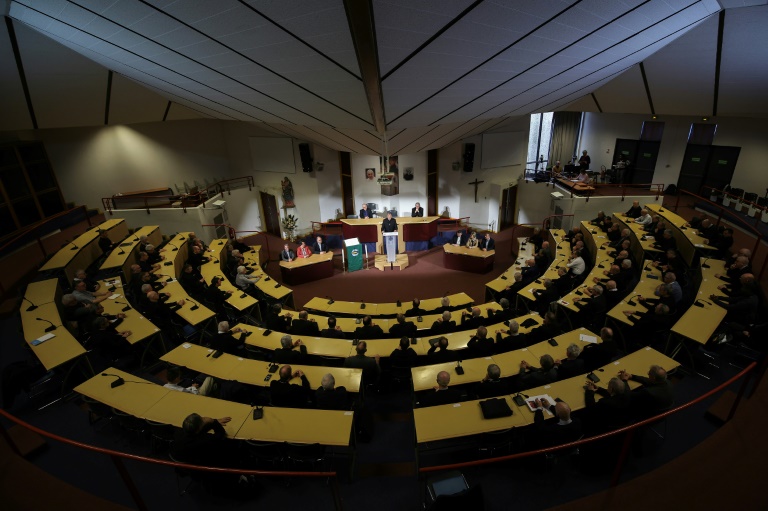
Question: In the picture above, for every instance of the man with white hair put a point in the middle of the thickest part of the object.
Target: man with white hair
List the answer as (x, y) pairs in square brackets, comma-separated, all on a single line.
[(330, 397), (290, 351), (644, 219), (226, 341), (443, 324), (572, 365), (244, 281)]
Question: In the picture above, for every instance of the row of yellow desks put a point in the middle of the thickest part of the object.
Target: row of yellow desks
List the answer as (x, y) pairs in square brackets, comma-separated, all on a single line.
[(507, 277), (84, 250), (254, 372), (639, 245), (126, 253), (146, 400), (562, 253), (267, 284), (141, 328), (342, 308), (463, 419), (509, 362), (192, 312), (602, 264), (348, 324), (698, 324), (687, 238), (215, 267)]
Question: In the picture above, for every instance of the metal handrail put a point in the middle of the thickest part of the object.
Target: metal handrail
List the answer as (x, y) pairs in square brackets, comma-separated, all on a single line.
[(118, 456), (629, 430), (546, 224), (209, 191)]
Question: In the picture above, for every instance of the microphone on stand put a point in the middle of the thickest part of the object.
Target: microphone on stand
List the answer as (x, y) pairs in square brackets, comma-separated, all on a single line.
[(74, 246), (194, 306), (175, 248), (127, 306), (631, 301), (330, 300), (704, 264), (48, 328), (32, 306), (119, 381)]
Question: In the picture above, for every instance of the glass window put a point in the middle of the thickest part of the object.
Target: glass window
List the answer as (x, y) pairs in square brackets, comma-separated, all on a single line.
[(539, 140)]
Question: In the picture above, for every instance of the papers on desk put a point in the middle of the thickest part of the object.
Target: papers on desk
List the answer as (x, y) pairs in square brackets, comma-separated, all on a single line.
[(114, 296), (588, 338), (42, 339), (186, 345), (531, 402)]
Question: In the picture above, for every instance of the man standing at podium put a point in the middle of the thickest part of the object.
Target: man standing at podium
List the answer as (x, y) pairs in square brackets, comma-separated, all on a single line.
[(417, 210), (389, 224)]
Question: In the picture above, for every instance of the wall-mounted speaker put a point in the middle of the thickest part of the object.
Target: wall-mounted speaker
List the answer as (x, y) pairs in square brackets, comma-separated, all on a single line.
[(306, 158), (469, 157)]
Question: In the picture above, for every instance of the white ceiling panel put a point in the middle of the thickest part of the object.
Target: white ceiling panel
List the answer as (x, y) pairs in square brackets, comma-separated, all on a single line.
[(445, 73), (180, 112)]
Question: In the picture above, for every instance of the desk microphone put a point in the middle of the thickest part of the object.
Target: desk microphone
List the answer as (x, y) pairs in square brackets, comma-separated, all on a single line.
[(330, 300), (631, 301), (362, 305), (194, 307), (175, 248), (243, 295), (704, 264), (126, 308), (74, 246), (182, 238), (119, 381), (216, 261), (48, 328), (32, 306)]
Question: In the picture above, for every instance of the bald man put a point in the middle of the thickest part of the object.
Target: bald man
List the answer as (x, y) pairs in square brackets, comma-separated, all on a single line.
[(560, 429), (656, 394), (441, 393)]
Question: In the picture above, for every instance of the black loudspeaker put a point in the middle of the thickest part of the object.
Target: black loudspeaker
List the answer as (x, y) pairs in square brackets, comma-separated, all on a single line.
[(306, 158), (469, 157)]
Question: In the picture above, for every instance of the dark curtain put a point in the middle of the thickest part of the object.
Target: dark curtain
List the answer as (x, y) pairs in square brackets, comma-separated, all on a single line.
[(565, 131)]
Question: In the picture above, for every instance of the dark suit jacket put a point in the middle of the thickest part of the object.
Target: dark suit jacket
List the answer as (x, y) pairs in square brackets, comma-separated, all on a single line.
[(435, 356), (609, 413), (289, 395), (201, 448), (652, 397), (332, 333), (543, 332), (551, 433), (369, 332), (536, 377), (336, 399), (371, 369), (492, 388), (400, 358), (406, 329), (480, 347), (319, 247), (417, 212), (489, 245), (291, 355), (278, 323), (284, 256), (441, 397), (365, 213), (464, 238), (569, 368), (304, 327), (227, 343), (443, 327), (412, 312)]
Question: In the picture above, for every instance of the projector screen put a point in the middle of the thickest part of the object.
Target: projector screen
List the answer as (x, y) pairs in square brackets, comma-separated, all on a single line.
[(504, 149), (272, 154)]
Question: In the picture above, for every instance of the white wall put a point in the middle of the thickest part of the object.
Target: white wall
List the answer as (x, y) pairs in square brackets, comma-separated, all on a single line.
[(601, 131), (328, 183), (413, 191)]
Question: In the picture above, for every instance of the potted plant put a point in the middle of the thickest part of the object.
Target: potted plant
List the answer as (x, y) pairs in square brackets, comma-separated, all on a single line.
[(289, 226)]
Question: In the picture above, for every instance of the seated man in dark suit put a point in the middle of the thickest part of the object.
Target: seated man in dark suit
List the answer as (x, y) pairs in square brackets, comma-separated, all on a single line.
[(333, 331), (108, 342), (403, 328), (544, 297), (530, 376), (600, 354), (417, 211), (443, 325), (592, 308), (548, 329), (514, 340), (193, 443), (274, 321), (286, 254), (289, 395), (225, 341), (365, 212), (403, 355), (192, 282), (459, 239), (656, 394), (319, 246), (216, 296), (487, 243), (159, 311), (415, 310), (442, 394), (369, 330), (304, 326), (330, 397), (560, 429), (612, 411), (499, 316), (530, 272), (480, 345), (572, 365), (492, 385), (287, 352), (439, 352), (473, 319), (510, 292), (369, 365)]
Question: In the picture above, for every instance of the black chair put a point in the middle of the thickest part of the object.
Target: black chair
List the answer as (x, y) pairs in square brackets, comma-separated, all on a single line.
[(450, 491)]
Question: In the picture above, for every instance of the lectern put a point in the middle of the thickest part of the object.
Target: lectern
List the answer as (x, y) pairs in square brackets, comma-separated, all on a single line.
[(390, 246)]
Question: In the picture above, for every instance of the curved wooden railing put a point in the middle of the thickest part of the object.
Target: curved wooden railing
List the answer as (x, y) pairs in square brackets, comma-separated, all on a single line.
[(628, 431), (185, 200), (117, 457)]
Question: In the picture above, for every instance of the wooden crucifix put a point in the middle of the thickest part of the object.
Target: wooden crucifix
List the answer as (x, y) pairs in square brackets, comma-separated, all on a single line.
[(476, 183)]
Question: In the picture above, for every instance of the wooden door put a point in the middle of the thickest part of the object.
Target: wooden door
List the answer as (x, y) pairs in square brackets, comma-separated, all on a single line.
[(507, 207), (271, 216)]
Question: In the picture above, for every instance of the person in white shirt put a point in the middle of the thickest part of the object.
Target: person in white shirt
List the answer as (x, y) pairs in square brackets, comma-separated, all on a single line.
[(576, 264), (644, 219), (173, 375), (582, 177)]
